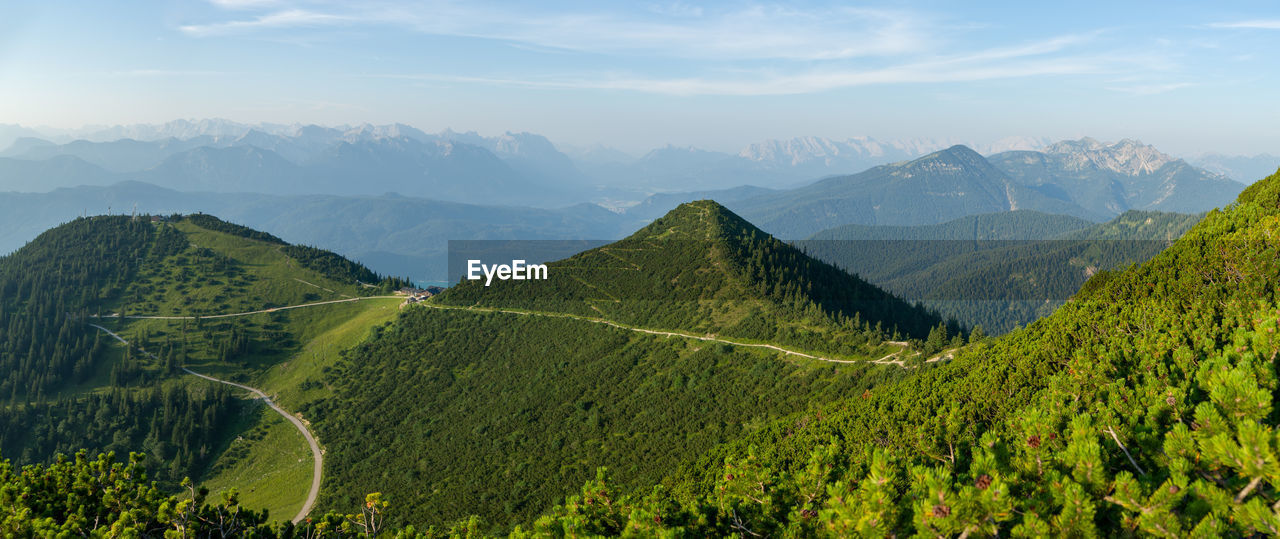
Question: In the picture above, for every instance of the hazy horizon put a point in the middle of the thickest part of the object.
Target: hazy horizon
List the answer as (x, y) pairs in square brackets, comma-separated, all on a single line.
[(1186, 79), (94, 133)]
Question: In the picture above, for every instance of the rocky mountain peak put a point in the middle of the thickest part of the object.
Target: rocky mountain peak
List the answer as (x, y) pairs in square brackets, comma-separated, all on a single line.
[(523, 143), (1129, 157)]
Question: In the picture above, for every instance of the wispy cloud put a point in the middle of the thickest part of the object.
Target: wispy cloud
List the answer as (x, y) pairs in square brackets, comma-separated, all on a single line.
[(1015, 62), (676, 9), (169, 73), (762, 49), (1256, 24), (757, 32), (244, 4), (292, 18), (1150, 89)]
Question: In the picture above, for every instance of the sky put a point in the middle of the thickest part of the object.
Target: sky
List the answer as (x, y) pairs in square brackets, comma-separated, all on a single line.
[(1188, 77)]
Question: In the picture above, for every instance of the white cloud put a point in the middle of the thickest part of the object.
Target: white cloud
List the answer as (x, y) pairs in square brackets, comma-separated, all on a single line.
[(1256, 24), (292, 18), (1150, 89), (676, 9), (244, 4), (168, 73), (806, 51)]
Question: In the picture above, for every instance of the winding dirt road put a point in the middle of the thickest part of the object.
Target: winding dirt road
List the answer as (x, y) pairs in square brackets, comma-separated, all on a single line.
[(247, 313), (316, 454), (887, 360)]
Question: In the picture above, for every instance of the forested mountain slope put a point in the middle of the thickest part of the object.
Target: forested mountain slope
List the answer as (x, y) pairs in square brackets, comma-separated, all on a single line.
[(452, 413), (1006, 225), (1143, 406), (990, 270), (702, 268), (63, 380)]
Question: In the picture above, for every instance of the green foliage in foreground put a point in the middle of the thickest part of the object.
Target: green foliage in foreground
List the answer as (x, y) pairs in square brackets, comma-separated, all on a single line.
[(1207, 470), (99, 497)]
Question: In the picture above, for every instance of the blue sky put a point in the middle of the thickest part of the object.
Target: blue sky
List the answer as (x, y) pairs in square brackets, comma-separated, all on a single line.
[(1189, 77)]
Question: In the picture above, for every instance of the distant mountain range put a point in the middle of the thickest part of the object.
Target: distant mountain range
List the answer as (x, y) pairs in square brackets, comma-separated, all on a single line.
[(863, 152), (393, 195), (512, 168), (1247, 169), (771, 163), (518, 168), (1083, 178), (408, 235)]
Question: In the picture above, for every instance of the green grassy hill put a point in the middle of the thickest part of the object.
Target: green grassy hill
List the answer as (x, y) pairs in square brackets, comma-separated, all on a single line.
[(455, 413), (703, 269), (167, 287)]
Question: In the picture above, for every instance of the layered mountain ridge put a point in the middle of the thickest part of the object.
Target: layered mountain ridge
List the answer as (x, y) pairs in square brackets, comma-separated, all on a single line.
[(1083, 178), (601, 175), (516, 168)]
